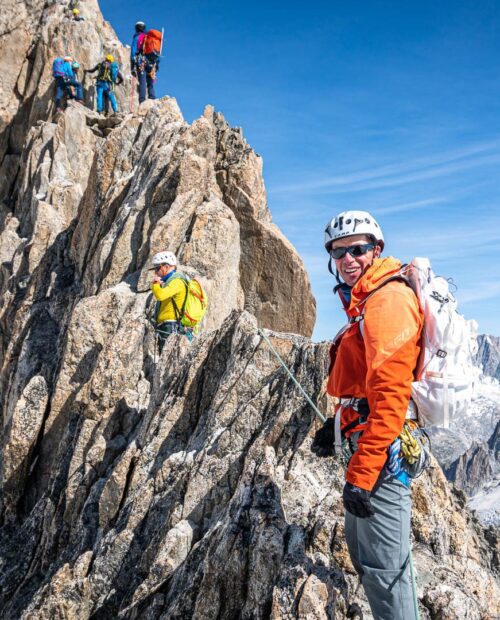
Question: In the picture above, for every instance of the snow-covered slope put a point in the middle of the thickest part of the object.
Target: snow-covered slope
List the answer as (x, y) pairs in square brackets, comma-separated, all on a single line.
[(468, 451), (487, 502)]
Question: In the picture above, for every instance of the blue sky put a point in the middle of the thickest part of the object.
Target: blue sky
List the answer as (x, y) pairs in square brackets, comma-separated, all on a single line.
[(392, 107)]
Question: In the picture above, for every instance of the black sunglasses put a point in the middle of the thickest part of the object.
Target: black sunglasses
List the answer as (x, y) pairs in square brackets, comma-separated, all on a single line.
[(354, 250)]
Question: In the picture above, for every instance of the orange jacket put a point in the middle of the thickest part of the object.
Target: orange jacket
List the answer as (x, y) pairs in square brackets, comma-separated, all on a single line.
[(377, 364)]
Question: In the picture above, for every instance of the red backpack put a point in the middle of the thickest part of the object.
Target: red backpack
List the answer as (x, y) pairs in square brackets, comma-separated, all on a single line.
[(152, 43)]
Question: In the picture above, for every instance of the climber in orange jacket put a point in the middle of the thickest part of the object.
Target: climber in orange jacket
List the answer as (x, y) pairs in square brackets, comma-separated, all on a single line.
[(378, 366), (372, 363)]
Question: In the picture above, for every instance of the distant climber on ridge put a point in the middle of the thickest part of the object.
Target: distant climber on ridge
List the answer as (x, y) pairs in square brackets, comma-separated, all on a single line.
[(76, 16), (108, 76), (76, 67), (145, 53), (181, 303), (62, 72)]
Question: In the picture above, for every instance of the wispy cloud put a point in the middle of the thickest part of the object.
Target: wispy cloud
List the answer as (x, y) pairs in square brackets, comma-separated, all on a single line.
[(296, 213), (481, 291), (422, 175), (473, 230), (422, 168), (410, 206)]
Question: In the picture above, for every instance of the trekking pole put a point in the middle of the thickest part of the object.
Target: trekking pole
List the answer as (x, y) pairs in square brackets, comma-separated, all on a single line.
[(414, 587), (161, 44), (289, 372)]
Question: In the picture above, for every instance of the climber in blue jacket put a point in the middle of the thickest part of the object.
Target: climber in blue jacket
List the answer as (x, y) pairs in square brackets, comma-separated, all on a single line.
[(62, 71)]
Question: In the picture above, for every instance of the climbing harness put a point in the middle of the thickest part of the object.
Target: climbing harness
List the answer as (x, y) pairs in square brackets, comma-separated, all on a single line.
[(289, 372), (152, 70), (139, 62)]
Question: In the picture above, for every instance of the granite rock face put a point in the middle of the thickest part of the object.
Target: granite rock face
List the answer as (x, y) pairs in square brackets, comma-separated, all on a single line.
[(110, 192), (488, 355), (109, 203), (472, 469), (135, 485), (187, 489), (32, 34)]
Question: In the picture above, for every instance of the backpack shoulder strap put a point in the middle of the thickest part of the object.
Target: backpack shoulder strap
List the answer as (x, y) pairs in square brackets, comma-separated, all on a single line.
[(398, 277), (180, 313)]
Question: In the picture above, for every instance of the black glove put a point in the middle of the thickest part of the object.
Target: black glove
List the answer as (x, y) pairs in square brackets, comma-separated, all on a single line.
[(357, 501), (134, 72), (324, 440)]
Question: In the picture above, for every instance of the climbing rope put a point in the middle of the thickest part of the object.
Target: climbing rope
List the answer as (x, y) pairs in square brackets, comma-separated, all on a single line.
[(278, 357), (414, 586), (410, 447)]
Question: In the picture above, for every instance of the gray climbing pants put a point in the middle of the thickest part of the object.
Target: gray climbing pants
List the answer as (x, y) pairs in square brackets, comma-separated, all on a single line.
[(379, 548)]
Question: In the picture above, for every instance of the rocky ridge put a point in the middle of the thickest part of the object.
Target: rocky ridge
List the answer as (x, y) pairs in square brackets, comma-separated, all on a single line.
[(179, 486), (488, 355), (32, 34), (468, 450), (195, 495)]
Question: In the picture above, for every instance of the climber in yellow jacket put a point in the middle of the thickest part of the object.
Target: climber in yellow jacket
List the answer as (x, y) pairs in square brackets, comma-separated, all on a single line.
[(170, 291)]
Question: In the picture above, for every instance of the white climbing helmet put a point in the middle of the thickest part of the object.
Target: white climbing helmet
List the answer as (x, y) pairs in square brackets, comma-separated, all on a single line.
[(350, 223), (164, 258)]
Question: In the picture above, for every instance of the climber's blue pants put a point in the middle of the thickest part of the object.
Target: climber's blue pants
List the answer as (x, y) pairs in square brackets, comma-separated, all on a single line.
[(61, 90), (78, 88), (145, 81), (105, 87)]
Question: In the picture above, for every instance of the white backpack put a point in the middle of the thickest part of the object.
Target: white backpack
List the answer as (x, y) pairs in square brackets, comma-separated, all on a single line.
[(445, 374)]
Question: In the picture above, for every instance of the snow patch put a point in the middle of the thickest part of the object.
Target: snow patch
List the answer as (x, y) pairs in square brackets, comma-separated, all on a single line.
[(487, 503)]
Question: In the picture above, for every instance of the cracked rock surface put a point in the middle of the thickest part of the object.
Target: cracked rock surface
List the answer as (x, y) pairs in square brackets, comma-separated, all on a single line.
[(187, 489)]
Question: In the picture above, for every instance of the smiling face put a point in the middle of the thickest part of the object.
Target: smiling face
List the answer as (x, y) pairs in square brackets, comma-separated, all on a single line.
[(351, 268)]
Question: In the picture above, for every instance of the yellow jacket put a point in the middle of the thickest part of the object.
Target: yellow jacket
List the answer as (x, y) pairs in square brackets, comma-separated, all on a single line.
[(175, 289)]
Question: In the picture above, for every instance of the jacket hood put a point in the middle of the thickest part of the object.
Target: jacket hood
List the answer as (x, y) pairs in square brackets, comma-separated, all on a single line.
[(378, 272)]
